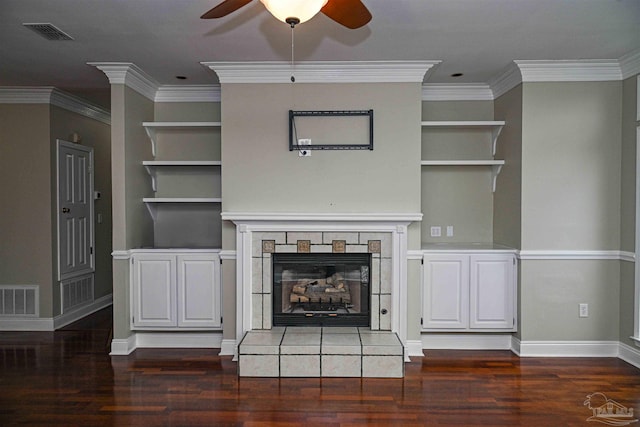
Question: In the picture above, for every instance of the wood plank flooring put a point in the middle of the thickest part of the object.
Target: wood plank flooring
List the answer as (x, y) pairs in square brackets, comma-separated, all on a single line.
[(67, 378)]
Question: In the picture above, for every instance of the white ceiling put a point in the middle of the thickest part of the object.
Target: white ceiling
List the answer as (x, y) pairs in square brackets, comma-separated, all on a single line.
[(166, 38)]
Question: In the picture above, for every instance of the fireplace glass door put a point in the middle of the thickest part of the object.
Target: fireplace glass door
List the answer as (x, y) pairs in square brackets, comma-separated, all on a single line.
[(321, 289)]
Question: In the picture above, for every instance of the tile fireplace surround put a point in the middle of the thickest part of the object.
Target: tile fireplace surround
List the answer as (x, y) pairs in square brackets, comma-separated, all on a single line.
[(259, 235)]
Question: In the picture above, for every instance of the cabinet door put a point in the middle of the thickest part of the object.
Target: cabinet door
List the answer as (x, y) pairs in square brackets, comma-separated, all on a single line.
[(446, 292), (199, 291), (492, 293), (154, 290)]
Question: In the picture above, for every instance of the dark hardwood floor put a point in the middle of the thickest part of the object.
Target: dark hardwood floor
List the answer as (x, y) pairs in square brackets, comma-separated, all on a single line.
[(67, 378)]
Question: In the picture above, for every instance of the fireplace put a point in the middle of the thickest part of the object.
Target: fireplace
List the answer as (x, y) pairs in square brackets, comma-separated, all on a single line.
[(321, 289), (261, 236)]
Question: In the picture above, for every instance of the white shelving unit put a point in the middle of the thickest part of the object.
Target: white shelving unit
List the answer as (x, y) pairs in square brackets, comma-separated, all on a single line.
[(152, 128), (152, 166), (494, 125)]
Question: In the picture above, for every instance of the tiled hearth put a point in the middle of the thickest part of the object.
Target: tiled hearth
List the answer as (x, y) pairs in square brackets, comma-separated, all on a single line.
[(321, 352), (374, 351)]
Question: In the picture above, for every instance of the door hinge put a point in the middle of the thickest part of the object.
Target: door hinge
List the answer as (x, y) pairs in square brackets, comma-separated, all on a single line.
[(220, 319), (91, 250), (422, 261), (421, 321)]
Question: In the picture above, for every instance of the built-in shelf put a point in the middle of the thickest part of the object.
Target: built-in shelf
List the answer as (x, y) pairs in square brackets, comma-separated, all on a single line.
[(152, 166), (495, 126), (496, 166), (152, 203), (152, 127)]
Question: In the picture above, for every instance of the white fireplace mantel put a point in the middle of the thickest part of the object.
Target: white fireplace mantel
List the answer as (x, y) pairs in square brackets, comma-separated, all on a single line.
[(248, 223)]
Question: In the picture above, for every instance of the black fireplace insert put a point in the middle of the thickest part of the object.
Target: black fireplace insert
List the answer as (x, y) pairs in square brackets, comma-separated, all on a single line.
[(321, 289)]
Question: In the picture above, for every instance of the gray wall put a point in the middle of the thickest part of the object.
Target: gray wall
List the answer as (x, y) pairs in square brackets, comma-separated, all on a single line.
[(628, 208), (507, 200), (265, 176), (26, 252), (132, 224), (571, 153), (28, 134)]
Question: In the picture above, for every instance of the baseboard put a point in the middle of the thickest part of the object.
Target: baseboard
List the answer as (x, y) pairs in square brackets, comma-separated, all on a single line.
[(123, 347), (26, 324), (227, 348), (630, 354), (569, 348), (49, 324), (178, 339), (83, 311), (413, 348), (461, 341)]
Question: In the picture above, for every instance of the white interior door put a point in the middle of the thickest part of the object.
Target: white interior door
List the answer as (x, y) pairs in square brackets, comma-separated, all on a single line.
[(75, 210)]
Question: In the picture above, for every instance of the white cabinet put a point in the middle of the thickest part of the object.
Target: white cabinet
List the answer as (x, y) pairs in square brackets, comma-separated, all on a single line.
[(469, 292), (175, 290)]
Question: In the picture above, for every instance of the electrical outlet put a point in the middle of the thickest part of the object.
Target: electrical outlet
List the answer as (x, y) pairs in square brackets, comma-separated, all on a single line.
[(449, 230), (301, 151), (584, 310), (436, 231)]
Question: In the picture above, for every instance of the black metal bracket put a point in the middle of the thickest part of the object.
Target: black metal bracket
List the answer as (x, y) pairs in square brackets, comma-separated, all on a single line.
[(293, 143)]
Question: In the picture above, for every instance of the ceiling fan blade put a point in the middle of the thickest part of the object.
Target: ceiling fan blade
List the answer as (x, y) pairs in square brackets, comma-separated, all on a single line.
[(225, 8), (350, 13)]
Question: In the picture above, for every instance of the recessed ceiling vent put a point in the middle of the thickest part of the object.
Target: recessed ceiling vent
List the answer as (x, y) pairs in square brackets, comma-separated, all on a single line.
[(49, 31)]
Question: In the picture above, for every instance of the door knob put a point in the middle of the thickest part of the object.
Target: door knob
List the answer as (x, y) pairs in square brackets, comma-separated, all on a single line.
[(66, 210)]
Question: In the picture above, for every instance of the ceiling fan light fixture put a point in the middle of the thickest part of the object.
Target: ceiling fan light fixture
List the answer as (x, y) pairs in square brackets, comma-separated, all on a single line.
[(303, 10)]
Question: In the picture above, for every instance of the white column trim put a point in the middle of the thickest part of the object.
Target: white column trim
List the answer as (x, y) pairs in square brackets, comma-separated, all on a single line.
[(130, 75)]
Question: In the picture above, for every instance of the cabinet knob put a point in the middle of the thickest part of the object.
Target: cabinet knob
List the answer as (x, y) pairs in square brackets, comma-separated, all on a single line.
[(66, 210)]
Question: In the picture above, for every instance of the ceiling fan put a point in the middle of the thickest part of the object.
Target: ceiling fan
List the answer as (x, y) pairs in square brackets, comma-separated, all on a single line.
[(349, 13)]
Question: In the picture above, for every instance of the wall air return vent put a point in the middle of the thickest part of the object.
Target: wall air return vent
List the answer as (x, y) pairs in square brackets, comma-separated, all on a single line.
[(49, 31)]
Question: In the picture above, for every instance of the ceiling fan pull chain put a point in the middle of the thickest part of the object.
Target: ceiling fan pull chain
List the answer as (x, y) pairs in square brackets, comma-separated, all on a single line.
[(293, 79)]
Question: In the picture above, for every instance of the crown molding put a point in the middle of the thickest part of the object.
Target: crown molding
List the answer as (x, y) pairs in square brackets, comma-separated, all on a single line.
[(569, 71), (56, 97), (190, 93), (322, 71), (457, 92), (630, 64), (505, 81), (130, 75)]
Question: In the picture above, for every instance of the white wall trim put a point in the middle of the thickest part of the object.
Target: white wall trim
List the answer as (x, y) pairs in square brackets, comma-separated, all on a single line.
[(457, 92), (178, 339), (570, 71), (321, 71), (630, 355), (464, 341), (575, 255), (630, 64), (130, 75), (413, 348), (53, 96), (49, 324), (189, 93), (77, 314), (123, 347), (227, 347), (26, 324), (227, 254), (505, 81), (121, 254), (569, 348)]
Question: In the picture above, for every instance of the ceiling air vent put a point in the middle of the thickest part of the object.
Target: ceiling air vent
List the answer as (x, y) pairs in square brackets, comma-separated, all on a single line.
[(49, 31)]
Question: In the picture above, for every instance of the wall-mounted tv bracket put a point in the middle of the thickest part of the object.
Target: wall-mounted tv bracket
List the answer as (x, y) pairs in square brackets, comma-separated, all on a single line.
[(293, 141)]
